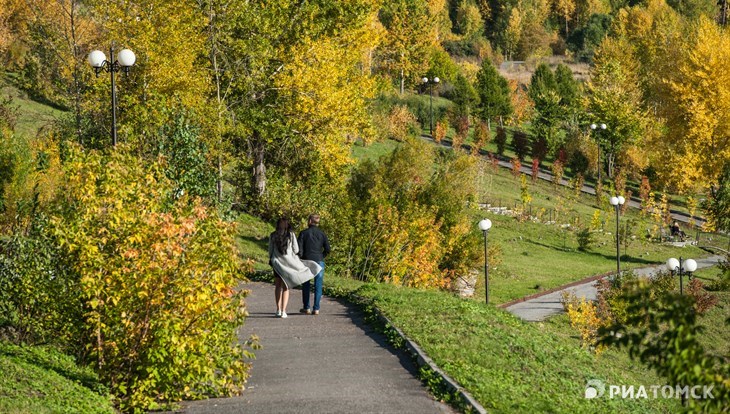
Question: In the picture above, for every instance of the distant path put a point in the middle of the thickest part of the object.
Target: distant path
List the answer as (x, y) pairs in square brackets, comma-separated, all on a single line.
[(543, 306), (330, 363), (547, 176)]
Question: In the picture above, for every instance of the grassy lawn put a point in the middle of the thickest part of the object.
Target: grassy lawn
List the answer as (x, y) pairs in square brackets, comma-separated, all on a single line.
[(39, 380), (32, 115), (508, 365), (253, 240)]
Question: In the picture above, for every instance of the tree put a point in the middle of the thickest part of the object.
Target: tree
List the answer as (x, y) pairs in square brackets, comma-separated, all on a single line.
[(717, 205), (566, 9), (696, 145), (299, 89), (465, 96), (567, 88), (405, 51), (544, 93), (494, 94), (615, 98)]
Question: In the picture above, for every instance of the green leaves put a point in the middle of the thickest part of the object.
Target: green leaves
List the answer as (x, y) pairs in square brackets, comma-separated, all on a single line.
[(157, 281)]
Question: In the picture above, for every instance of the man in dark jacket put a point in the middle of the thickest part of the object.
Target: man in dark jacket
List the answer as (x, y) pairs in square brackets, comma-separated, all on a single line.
[(313, 245)]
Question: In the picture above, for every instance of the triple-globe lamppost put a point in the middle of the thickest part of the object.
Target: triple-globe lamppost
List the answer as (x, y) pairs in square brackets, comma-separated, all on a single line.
[(430, 83), (124, 60)]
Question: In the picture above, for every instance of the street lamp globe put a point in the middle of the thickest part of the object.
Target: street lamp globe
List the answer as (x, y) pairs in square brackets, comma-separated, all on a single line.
[(613, 201), (621, 200), (97, 59), (594, 126), (690, 265), (672, 264), (126, 58), (485, 224), (424, 80), (436, 80), (603, 126)]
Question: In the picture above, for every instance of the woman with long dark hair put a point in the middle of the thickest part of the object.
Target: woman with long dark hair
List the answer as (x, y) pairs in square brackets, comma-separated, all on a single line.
[(289, 270)]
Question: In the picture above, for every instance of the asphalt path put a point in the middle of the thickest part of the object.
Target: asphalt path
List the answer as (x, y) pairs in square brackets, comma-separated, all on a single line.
[(550, 304), (328, 363), (587, 189)]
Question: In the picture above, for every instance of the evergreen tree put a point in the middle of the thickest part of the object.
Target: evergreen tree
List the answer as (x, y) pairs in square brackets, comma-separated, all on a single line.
[(494, 94), (465, 96)]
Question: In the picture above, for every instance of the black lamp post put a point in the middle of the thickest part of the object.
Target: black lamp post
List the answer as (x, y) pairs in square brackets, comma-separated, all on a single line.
[(617, 202), (125, 60), (430, 83), (484, 226), (687, 266), (598, 142)]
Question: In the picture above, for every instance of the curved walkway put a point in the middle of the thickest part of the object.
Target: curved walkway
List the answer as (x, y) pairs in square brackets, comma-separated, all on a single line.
[(550, 303), (330, 363)]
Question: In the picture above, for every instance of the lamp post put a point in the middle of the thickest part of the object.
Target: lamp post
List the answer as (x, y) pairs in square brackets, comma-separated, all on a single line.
[(484, 226), (430, 83), (681, 267), (125, 60), (617, 202), (598, 142)]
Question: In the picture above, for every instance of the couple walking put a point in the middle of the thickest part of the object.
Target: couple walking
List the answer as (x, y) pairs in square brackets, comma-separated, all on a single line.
[(298, 261)]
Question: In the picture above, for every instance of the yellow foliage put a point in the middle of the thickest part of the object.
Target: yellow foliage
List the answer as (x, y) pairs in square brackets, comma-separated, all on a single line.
[(583, 315)]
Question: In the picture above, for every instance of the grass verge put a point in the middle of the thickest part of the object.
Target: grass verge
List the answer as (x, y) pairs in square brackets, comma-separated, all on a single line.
[(42, 380), (508, 365)]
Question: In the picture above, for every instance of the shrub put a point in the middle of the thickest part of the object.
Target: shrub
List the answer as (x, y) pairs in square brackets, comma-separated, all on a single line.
[(703, 300), (585, 239), (158, 281), (583, 315), (461, 125), (402, 124), (439, 131), (557, 170), (500, 139), (410, 221), (535, 168), (521, 144), (39, 296), (516, 167), (663, 333), (481, 137), (723, 280)]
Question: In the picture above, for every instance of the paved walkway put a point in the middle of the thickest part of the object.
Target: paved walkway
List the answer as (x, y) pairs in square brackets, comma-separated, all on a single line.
[(550, 304), (330, 363)]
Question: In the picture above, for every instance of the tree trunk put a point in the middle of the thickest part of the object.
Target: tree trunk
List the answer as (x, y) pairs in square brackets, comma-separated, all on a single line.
[(258, 151)]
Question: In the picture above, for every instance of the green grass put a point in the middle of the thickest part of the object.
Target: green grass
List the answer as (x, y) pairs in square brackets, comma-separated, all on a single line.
[(32, 115), (253, 240), (508, 365), (41, 380)]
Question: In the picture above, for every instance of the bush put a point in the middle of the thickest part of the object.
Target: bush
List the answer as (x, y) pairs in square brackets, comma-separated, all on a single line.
[(402, 124), (501, 140), (158, 279), (407, 219), (723, 280), (521, 144), (39, 295), (585, 239)]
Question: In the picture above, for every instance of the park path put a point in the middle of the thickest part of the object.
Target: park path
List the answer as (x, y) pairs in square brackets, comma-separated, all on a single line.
[(329, 363), (549, 304), (548, 176)]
